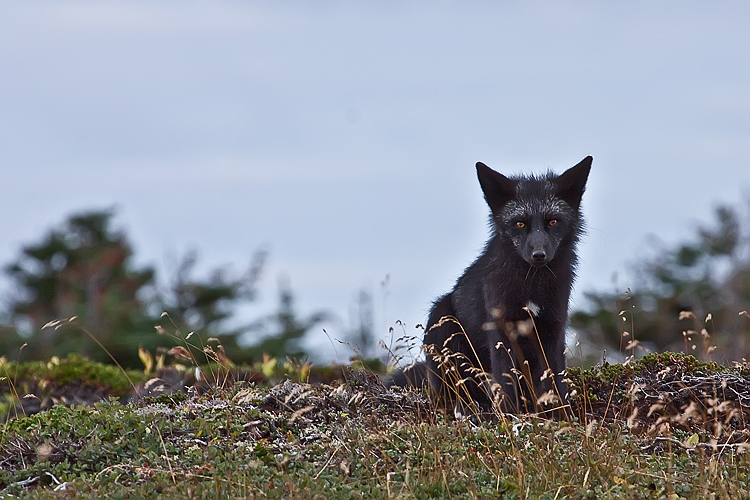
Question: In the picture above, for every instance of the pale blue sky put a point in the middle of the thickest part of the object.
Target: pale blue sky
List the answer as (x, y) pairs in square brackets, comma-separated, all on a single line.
[(343, 137)]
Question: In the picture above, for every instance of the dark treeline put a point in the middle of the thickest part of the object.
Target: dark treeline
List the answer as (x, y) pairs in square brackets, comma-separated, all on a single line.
[(692, 297), (85, 270)]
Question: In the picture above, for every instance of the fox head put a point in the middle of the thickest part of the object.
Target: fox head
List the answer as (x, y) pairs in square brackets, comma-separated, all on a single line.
[(536, 213)]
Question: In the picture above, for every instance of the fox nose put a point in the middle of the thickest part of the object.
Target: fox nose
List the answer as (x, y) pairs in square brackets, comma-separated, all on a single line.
[(539, 256)]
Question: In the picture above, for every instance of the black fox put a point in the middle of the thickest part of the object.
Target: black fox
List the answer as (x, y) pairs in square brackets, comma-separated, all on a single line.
[(498, 338)]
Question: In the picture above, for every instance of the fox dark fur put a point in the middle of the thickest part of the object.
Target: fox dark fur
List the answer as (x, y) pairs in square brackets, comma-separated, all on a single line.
[(498, 338)]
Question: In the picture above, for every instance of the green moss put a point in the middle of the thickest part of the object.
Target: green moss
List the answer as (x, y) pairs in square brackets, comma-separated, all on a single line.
[(74, 368), (651, 363), (679, 361)]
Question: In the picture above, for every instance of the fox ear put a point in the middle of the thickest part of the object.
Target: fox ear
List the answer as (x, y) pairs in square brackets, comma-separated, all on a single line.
[(497, 188), (570, 184)]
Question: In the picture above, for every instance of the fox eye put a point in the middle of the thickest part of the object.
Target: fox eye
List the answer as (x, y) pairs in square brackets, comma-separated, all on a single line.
[(521, 224), (553, 222)]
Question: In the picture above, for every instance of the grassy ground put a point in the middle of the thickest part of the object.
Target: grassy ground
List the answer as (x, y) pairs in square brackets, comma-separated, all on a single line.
[(653, 429)]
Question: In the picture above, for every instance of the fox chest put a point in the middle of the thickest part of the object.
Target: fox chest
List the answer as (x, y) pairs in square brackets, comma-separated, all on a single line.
[(543, 303)]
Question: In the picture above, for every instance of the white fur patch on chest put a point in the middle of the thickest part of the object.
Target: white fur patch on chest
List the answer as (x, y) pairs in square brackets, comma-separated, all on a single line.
[(533, 308)]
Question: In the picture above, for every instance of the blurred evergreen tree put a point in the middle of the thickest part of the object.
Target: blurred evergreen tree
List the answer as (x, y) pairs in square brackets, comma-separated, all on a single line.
[(708, 277), (281, 334), (83, 270), (206, 306), (361, 336)]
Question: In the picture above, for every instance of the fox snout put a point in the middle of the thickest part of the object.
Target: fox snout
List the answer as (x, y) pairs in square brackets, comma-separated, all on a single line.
[(539, 249)]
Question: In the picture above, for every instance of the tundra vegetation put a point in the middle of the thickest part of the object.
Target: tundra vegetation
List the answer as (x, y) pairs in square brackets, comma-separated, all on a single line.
[(665, 426), (192, 411)]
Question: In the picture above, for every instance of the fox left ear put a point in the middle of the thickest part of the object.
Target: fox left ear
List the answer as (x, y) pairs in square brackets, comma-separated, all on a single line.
[(570, 184)]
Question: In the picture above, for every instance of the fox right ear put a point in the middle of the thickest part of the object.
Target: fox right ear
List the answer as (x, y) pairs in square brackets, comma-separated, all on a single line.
[(497, 188)]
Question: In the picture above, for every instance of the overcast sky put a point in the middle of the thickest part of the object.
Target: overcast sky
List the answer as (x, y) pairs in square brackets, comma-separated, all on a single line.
[(342, 136)]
